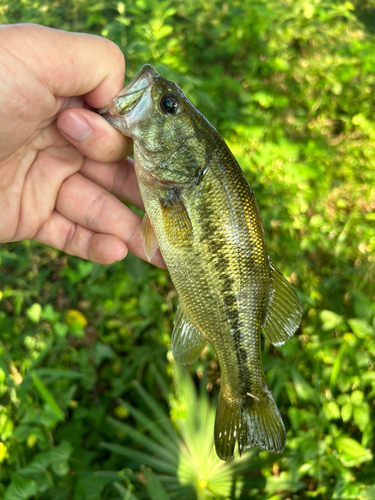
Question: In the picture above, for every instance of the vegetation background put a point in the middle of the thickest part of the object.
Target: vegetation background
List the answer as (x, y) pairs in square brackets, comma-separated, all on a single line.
[(92, 405)]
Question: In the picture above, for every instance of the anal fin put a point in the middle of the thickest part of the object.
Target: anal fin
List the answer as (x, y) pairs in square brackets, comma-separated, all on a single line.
[(187, 342), (150, 243), (284, 310)]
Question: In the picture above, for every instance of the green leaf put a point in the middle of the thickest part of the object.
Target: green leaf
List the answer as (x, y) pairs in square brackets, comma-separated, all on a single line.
[(47, 396), (346, 412), (44, 482), (142, 458), (153, 485), (42, 355), (25, 384), (159, 450), (363, 307), (163, 32), (357, 398), (49, 314), (361, 417), (34, 312), (343, 398), (101, 353), (368, 493), (283, 482), (59, 373), (20, 488), (361, 328), (61, 329), (170, 442), (156, 410), (304, 390), (84, 268), (308, 10), (351, 452), (330, 320), (91, 486), (331, 410), (345, 489), (60, 458), (38, 465), (337, 364), (21, 432), (125, 493)]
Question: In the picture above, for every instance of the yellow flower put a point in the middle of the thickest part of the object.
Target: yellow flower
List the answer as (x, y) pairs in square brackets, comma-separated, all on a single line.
[(75, 318)]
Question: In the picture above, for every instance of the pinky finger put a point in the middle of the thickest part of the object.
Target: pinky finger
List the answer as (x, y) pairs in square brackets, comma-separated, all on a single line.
[(63, 234)]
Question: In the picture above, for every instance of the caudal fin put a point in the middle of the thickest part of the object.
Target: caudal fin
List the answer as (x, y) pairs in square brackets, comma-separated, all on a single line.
[(257, 422)]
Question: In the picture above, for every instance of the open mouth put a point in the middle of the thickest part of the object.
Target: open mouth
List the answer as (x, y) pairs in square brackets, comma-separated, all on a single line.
[(130, 96)]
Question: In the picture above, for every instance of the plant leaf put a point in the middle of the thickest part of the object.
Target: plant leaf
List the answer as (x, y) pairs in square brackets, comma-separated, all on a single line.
[(153, 485), (142, 458), (20, 488), (47, 396)]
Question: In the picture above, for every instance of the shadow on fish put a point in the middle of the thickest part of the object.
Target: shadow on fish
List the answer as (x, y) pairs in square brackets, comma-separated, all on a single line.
[(202, 213)]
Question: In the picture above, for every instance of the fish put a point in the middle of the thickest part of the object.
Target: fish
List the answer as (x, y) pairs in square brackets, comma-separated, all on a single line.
[(202, 213)]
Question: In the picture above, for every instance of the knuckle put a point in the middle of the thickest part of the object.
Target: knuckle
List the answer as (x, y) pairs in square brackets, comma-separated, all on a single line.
[(120, 178), (95, 209), (70, 238), (109, 153), (133, 238)]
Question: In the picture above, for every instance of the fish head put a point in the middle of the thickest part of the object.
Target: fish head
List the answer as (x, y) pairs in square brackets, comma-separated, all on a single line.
[(165, 126)]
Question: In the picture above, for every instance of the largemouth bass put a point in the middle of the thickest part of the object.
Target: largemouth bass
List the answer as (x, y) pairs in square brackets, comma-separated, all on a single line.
[(201, 211)]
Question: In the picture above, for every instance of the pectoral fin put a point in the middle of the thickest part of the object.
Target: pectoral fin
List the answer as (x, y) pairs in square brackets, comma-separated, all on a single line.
[(150, 243), (284, 309), (187, 342), (177, 224)]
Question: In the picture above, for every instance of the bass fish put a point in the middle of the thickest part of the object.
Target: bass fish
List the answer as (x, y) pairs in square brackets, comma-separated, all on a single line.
[(202, 213)]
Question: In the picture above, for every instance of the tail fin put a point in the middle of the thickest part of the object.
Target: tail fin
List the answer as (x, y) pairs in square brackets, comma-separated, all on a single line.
[(257, 422)]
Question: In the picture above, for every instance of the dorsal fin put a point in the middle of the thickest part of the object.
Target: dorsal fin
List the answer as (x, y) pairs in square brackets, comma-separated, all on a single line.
[(187, 342), (284, 310)]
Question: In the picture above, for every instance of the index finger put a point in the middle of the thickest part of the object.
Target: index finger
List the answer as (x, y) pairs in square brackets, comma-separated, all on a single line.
[(118, 178)]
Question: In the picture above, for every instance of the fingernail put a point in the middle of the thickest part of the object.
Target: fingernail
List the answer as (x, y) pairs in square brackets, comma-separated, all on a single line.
[(74, 126), (122, 258)]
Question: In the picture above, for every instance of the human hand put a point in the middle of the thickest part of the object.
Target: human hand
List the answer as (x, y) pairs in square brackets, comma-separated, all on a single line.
[(61, 165)]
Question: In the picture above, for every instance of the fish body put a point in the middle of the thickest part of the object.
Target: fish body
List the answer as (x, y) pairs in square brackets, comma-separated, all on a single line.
[(201, 211)]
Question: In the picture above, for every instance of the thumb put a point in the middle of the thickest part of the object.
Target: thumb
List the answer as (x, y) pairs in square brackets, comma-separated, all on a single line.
[(71, 64)]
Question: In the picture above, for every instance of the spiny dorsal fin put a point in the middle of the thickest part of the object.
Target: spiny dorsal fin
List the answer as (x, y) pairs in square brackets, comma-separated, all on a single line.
[(284, 310), (187, 342), (150, 243), (177, 224)]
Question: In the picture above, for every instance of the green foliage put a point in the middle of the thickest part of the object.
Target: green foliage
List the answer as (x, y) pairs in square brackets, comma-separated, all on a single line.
[(57, 385), (290, 86), (181, 447)]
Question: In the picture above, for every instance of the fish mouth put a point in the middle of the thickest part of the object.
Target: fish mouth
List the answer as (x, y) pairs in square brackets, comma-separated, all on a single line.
[(130, 96)]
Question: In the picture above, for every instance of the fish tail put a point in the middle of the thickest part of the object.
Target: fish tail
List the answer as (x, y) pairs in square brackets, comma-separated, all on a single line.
[(254, 422)]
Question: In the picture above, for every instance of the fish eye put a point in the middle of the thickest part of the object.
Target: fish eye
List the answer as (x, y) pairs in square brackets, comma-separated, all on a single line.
[(169, 103)]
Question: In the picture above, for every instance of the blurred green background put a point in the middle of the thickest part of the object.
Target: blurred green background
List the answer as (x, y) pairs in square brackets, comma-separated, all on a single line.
[(91, 404)]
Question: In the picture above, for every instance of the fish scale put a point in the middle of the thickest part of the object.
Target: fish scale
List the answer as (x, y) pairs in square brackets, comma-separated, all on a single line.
[(201, 211), (242, 263)]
